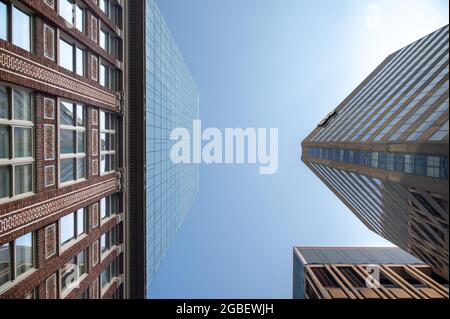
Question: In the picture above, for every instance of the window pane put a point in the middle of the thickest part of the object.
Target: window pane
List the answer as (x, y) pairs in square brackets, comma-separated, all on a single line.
[(80, 142), (80, 168), (104, 242), (22, 142), (67, 229), (65, 55), (66, 10), (80, 115), (104, 40), (102, 164), (103, 208), (67, 142), (80, 18), (4, 111), (103, 142), (21, 29), (3, 26), (23, 179), (22, 105), (4, 181), (81, 263), (24, 254), (5, 263), (67, 170), (80, 222), (67, 114), (4, 142), (80, 62)]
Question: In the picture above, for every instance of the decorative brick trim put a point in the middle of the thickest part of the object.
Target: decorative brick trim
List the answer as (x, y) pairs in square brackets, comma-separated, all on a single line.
[(19, 219), (27, 69), (49, 176)]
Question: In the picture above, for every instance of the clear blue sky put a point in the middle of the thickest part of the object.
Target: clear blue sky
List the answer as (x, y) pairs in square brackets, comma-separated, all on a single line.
[(284, 64)]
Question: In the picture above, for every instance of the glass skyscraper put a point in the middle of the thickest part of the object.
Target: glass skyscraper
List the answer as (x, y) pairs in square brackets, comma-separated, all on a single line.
[(166, 98), (384, 150)]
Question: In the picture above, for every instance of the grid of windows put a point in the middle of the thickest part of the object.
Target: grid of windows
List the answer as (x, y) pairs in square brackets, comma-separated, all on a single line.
[(15, 24), (16, 143), (399, 92), (72, 142), (423, 165), (171, 101), (16, 259)]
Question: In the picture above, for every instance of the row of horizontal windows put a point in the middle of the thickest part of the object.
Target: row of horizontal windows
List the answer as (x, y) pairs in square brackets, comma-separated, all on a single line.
[(423, 165)]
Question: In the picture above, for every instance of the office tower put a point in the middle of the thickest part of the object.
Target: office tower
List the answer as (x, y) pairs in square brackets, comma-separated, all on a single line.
[(384, 150), (61, 158), (363, 273), (162, 96)]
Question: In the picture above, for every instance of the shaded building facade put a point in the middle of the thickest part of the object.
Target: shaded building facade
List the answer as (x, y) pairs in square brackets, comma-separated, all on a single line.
[(163, 96), (384, 150), (61, 151), (363, 273)]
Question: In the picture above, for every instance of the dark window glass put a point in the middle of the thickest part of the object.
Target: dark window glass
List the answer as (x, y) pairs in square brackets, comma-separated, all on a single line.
[(420, 165)]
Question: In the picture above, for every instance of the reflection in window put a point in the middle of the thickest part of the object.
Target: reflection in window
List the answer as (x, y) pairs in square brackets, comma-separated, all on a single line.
[(5, 262), (108, 124), (80, 61), (24, 254), (108, 206), (3, 25), (21, 29)]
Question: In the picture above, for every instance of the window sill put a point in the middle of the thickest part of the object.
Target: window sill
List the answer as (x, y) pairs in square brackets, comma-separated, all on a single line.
[(16, 281), (109, 285), (12, 199)]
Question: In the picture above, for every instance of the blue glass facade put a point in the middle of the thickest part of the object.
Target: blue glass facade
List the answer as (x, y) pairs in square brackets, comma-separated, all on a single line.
[(172, 100)]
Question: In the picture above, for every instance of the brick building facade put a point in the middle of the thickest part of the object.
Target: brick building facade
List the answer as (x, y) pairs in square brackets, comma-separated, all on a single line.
[(61, 153)]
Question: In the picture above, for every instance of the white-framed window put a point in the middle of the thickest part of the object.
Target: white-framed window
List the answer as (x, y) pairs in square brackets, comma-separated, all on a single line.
[(16, 143), (73, 12), (107, 276), (72, 273), (72, 142), (17, 258), (108, 142), (72, 227), (72, 56), (16, 24), (108, 206)]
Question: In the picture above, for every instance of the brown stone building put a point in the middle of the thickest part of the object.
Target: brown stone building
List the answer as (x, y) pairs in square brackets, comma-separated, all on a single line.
[(384, 150), (363, 273), (61, 151)]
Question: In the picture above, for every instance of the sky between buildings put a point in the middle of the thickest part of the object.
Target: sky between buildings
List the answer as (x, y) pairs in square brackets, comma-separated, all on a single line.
[(282, 64)]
